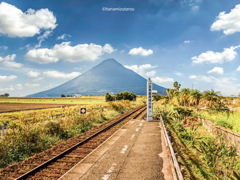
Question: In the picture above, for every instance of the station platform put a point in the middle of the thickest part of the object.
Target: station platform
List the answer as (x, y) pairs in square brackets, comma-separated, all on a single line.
[(136, 151)]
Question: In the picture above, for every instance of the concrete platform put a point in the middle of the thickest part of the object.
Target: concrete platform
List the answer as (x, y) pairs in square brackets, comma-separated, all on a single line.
[(134, 152)]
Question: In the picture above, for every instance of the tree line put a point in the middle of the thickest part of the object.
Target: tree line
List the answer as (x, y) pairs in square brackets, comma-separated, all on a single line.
[(4, 95), (193, 97), (119, 96)]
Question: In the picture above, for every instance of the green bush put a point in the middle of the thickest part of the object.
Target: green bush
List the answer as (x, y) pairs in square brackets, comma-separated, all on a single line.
[(225, 124)]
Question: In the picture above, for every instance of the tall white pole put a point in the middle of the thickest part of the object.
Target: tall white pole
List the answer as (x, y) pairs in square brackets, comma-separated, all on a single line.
[(149, 100)]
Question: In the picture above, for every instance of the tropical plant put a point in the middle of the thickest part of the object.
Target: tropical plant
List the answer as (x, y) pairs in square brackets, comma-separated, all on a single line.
[(176, 85), (194, 98), (184, 95), (211, 97)]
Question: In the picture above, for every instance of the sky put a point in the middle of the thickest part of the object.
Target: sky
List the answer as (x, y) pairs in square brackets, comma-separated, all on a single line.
[(46, 43)]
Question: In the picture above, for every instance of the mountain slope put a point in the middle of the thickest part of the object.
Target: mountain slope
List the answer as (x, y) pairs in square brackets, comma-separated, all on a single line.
[(108, 76)]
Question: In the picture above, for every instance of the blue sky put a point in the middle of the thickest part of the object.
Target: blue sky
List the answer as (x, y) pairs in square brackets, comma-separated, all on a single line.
[(46, 43)]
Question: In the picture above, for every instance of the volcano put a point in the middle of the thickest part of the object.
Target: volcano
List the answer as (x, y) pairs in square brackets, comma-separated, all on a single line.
[(108, 76)]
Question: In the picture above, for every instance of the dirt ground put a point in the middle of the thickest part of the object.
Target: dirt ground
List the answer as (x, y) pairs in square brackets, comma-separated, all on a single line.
[(12, 107)]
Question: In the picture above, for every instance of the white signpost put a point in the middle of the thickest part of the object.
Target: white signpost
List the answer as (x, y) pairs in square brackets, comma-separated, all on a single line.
[(149, 100)]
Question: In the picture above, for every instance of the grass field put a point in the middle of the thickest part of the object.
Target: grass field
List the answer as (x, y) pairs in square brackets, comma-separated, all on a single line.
[(229, 121), (30, 132), (66, 100)]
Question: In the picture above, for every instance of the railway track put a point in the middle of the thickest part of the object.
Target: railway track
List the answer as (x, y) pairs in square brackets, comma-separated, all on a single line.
[(53, 163)]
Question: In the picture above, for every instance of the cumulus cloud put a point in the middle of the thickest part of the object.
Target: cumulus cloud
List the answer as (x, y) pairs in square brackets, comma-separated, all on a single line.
[(66, 52), (201, 78), (142, 69), (61, 75), (216, 70), (228, 22), (140, 51), (238, 69), (159, 80), (227, 55), (16, 23), (8, 61), (7, 78), (33, 74), (151, 73)]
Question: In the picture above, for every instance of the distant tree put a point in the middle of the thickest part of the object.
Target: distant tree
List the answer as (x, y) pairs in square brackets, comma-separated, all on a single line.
[(157, 97), (128, 96), (184, 95), (211, 97), (119, 96), (6, 95), (62, 95), (108, 97), (195, 96), (69, 95), (176, 85), (170, 93)]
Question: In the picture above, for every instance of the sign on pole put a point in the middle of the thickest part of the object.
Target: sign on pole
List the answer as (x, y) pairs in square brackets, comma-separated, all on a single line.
[(149, 100), (83, 110)]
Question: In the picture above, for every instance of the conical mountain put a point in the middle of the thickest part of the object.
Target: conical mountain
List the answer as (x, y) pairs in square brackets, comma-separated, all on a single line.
[(108, 76)]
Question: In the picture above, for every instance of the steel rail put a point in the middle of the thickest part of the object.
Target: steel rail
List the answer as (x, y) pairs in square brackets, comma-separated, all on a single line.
[(46, 163)]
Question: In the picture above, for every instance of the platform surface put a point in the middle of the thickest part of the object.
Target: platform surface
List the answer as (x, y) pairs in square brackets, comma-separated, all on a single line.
[(135, 152)]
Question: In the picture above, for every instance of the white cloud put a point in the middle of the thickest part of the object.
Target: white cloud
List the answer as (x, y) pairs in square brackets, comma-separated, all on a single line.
[(226, 85), (7, 78), (16, 23), (238, 69), (31, 85), (227, 55), (18, 86), (229, 23), (187, 41), (140, 51), (4, 47), (33, 74), (142, 69), (232, 87), (66, 52), (151, 73), (216, 70), (57, 74), (201, 78), (178, 73), (8, 61), (159, 80), (195, 8), (7, 89), (63, 37), (42, 38)]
